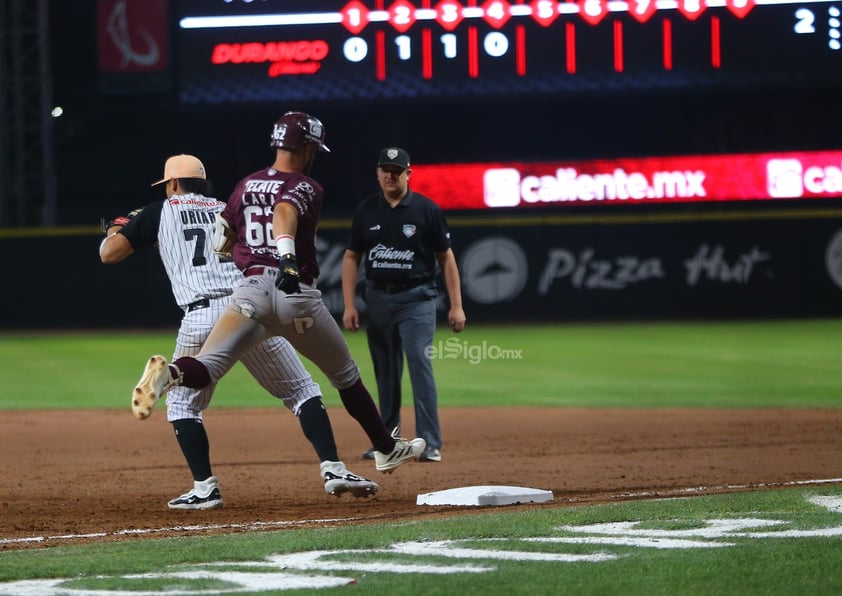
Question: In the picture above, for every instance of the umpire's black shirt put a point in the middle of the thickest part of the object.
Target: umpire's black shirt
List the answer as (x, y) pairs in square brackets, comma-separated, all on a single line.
[(399, 243)]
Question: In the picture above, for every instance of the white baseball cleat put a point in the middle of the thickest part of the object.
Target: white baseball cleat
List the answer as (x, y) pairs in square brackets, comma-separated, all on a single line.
[(403, 451), (156, 381), (203, 495), (338, 481)]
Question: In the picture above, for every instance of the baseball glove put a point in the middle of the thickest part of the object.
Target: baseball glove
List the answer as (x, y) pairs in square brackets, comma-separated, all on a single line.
[(117, 221)]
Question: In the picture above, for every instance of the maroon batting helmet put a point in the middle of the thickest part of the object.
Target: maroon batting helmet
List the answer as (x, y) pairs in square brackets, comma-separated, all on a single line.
[(296, 129)]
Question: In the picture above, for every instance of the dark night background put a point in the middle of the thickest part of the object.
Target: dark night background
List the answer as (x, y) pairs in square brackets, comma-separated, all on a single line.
[(109, 147)]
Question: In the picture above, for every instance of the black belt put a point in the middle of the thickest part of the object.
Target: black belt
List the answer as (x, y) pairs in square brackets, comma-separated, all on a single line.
[(199, 304), (392, 288), (305, 279)]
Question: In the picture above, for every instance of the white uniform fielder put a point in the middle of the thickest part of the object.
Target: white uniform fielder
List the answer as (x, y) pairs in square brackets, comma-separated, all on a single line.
[(199, 277)]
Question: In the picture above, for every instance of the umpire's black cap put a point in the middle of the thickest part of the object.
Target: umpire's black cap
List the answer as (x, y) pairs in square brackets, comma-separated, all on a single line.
[(394, 156)]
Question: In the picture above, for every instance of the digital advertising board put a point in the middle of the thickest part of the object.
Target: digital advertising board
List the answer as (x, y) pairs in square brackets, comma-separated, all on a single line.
[(639, 180)]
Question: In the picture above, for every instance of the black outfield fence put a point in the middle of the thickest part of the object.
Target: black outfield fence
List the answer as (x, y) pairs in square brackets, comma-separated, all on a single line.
[(517, 268)]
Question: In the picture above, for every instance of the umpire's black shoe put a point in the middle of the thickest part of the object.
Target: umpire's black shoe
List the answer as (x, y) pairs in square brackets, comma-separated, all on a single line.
[(430, 454), (368, 454)]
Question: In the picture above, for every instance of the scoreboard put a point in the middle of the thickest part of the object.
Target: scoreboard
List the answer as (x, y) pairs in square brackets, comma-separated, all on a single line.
[(232, 51)]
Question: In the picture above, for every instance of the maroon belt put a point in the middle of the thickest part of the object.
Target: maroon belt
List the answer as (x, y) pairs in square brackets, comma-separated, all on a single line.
[(305, 279)]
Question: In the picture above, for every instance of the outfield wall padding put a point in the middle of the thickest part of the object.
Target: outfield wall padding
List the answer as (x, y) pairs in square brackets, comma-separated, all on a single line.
[(514, 269)]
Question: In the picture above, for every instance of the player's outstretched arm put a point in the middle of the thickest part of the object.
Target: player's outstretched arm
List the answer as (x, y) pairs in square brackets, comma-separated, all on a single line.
[(115, 247), (284, 226)]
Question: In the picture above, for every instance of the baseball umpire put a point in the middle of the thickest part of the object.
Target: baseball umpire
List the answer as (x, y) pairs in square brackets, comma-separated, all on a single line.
[(403, 235)]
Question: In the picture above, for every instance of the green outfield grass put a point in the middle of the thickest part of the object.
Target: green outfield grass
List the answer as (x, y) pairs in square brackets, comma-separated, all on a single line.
[(711, 365), (772, 542)]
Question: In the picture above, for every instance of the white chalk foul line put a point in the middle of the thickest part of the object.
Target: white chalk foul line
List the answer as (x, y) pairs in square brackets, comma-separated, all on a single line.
[(178, 529), (705, 489)]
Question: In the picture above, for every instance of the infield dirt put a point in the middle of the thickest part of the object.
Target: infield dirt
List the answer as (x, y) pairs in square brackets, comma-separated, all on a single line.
[(68, 475)]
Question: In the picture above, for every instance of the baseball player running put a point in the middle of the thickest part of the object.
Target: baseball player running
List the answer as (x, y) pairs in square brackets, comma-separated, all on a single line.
[(202, 284), (270, 222)]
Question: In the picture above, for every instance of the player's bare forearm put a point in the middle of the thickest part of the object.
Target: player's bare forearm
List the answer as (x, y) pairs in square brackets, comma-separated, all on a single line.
[(284, 220), (115, 246)]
